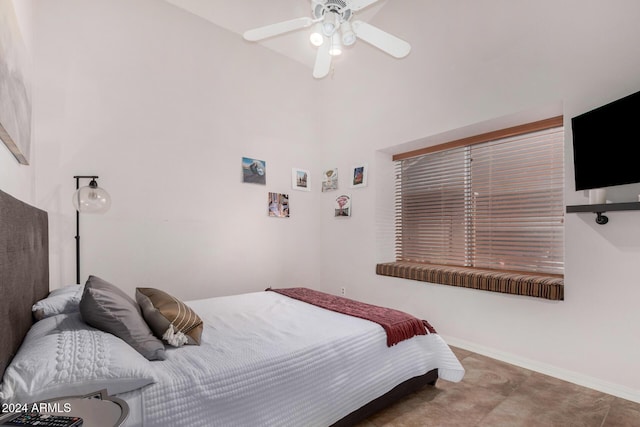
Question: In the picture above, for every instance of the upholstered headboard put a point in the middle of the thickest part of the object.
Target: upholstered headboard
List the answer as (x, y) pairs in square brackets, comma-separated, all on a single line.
[(24, 270)]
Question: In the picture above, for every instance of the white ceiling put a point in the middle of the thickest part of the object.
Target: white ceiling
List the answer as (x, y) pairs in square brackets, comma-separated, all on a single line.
[(238, 16)]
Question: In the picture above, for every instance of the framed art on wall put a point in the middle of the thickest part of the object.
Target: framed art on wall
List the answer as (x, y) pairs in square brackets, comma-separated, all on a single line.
[(300, 179), (15, 88), (330, 180), (279, 205), (359, 175), (254, 171), (342, 206)]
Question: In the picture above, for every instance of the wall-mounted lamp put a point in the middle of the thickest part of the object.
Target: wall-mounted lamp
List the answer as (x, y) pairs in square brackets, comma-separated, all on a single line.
[(88, 199)]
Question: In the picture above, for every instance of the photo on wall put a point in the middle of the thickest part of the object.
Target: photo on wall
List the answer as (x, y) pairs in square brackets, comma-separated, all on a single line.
[(330, 180), (279, 205), (254, 171), (359, 175), (342, 206), (300, 179)]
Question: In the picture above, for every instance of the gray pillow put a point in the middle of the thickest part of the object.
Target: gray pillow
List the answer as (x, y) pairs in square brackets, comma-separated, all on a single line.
[(94, 282), (109, 309)]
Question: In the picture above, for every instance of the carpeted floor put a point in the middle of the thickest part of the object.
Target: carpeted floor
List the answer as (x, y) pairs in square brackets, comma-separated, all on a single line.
[(496, 394)]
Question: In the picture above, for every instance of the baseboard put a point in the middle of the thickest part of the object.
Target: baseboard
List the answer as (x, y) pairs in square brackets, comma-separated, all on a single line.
[(563, 374)]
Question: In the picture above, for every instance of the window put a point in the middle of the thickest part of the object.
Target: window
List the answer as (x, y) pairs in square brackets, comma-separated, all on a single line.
[(495, 203)]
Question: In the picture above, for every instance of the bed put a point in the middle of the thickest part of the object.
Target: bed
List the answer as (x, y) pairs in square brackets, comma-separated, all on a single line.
[(264, 358)]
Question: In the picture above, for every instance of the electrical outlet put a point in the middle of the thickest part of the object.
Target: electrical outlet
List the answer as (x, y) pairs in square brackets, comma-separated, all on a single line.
[(343, 291)]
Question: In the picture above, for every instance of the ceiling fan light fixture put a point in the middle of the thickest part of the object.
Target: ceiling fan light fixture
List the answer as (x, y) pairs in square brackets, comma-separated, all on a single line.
[(336, 45), (316, 38), (348, 36), (330, 24)]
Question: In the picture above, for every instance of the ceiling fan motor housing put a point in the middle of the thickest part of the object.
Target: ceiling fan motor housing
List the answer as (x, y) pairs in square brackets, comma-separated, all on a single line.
[(339, 7)]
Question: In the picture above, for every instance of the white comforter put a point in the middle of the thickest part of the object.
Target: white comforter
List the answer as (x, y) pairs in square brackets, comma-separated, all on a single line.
[(269, 360)]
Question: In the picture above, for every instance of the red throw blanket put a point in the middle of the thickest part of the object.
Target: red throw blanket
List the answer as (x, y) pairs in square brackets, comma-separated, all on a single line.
[(398, 325)]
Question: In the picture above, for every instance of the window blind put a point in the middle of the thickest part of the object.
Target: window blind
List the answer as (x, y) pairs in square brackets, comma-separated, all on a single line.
[(497, 204)]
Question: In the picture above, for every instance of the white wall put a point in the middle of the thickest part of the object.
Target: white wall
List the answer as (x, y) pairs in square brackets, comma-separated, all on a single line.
[(163, 105), (477, 64)]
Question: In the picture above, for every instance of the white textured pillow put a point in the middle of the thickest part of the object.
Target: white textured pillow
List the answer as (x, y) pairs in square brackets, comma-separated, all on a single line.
[(69, 289), (59, 301), (63, 356)]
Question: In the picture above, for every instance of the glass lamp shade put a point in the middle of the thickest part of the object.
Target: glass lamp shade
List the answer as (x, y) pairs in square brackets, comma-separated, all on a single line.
[(91, 199), (336, 45), (348, 36), (316, 38), (330, 24)]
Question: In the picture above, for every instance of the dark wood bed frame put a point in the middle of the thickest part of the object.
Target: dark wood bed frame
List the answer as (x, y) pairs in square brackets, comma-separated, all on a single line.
[(24, 279)]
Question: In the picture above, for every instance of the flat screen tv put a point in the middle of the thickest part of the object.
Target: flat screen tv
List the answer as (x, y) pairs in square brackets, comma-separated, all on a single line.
[(606, 142)]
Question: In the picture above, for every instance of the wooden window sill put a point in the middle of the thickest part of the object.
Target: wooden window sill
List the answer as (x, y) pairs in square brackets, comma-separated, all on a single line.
[(528, 284)]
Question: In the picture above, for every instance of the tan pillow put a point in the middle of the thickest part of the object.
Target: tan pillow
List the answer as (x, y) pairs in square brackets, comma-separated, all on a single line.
[(169, 318)]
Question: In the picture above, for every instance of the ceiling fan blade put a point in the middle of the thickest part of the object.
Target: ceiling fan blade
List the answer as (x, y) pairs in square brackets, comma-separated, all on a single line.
[(356, 5), (384, 41), (323, 61), (276, 29)]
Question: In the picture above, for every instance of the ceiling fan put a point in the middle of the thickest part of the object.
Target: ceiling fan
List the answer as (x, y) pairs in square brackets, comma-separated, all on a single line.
[(333, 28)]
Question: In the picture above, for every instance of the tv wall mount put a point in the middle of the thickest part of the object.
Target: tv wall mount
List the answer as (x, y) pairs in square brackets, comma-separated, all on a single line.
[(600, 209)]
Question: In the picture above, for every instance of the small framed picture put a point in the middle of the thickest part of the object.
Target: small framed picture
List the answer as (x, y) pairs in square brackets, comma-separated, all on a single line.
[(330, 180), (358, 176), (300, 179), (254, 171), (279, 205), (342, 206)]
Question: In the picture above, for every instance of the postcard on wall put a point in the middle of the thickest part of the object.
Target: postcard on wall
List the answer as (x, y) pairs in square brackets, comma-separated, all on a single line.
[(279, 205), (254, 171), (15, 88), (359, 175), (330, 180), (342, 206), (300, 179)]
